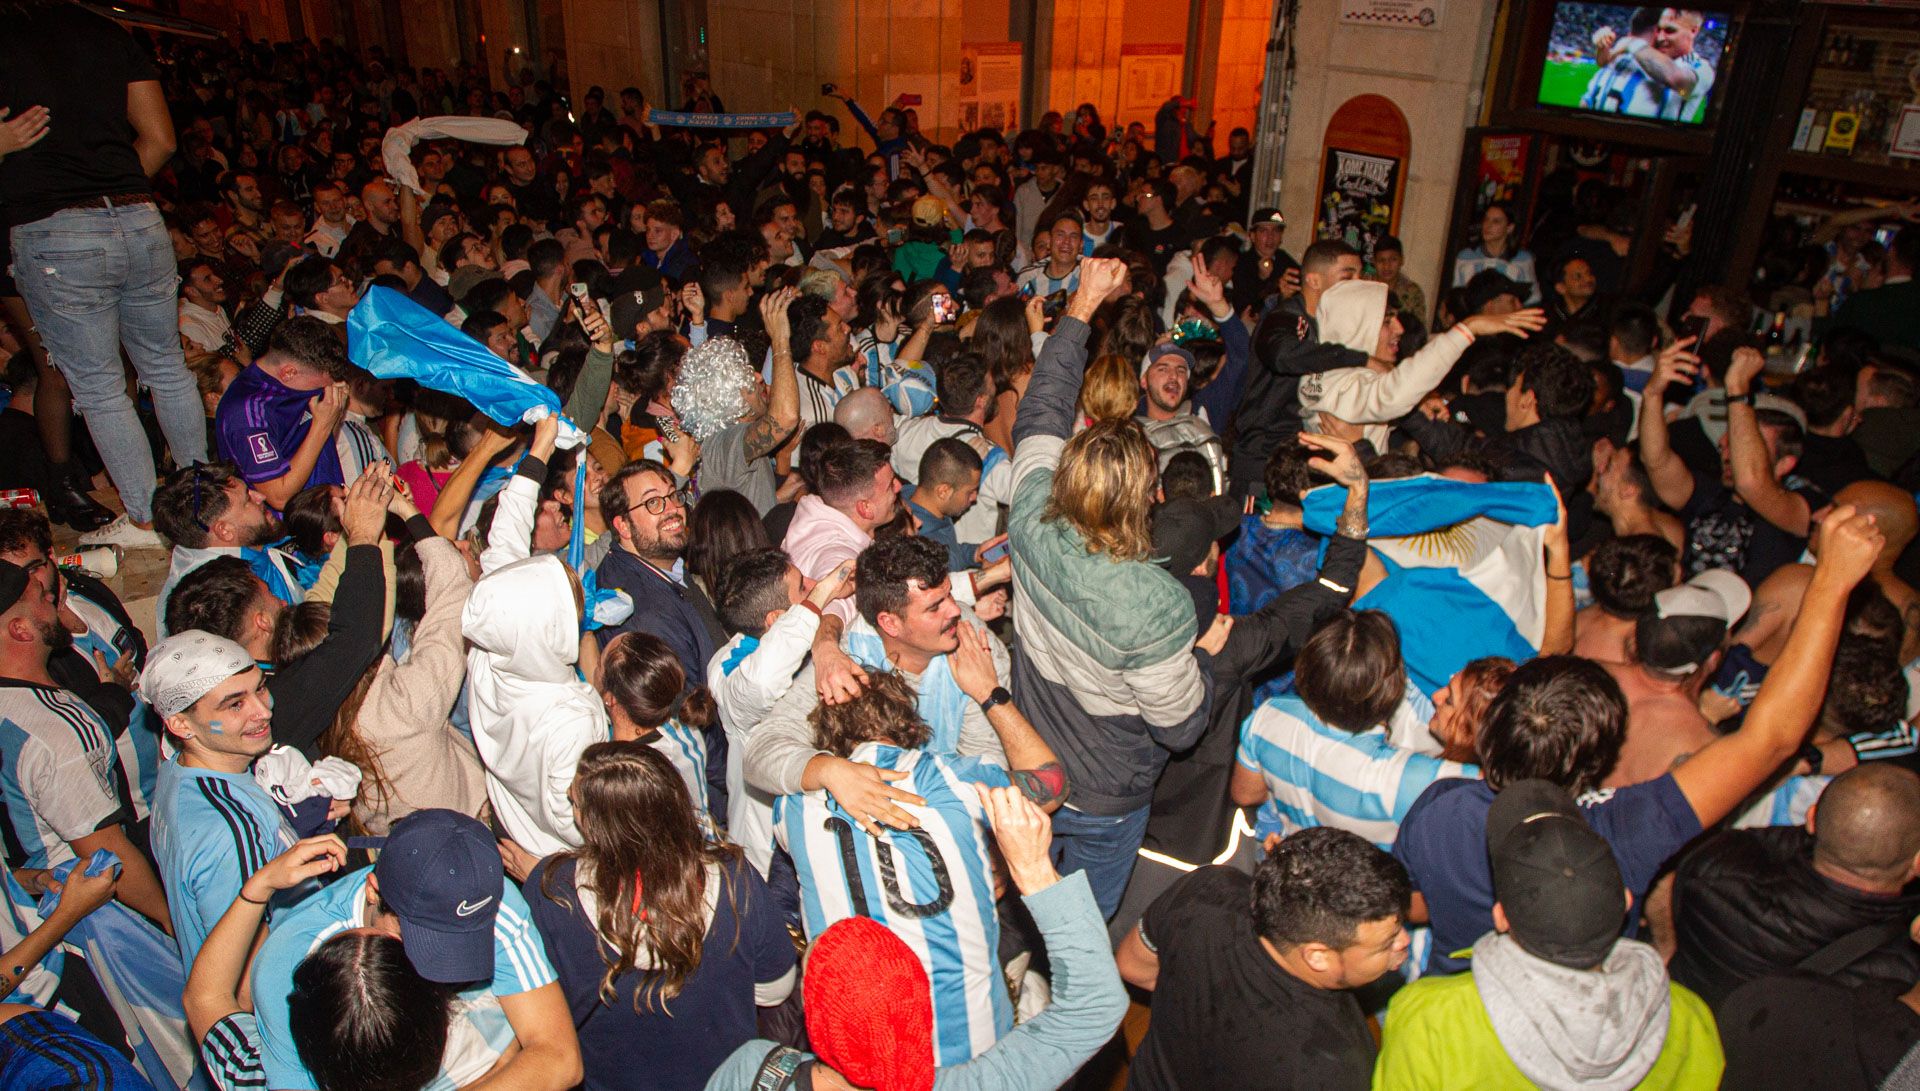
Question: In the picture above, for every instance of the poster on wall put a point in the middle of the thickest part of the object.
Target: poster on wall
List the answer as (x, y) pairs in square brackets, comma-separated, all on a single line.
[(1149, 75), (1407, 14), (1502, 173), (989, 86), (1357, 195)]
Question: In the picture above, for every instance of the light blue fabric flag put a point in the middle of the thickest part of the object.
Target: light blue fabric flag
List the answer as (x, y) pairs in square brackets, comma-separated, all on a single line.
[(139, 969), (1465, 576), (396, 338)]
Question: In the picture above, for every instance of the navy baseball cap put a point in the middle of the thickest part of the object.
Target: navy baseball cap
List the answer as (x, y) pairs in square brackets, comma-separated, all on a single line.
[(440, 873)]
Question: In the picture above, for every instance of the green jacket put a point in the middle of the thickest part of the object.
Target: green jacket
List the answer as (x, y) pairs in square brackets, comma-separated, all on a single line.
[(1437, 1035)]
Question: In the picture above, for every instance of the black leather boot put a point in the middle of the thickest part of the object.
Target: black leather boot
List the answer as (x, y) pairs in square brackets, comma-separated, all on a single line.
[(67, 501)]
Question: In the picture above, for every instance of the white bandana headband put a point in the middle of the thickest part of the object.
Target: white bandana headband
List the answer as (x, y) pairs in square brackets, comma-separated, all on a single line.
[(183, 667)]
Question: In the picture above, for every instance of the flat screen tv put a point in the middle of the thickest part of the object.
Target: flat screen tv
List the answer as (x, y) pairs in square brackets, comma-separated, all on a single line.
[(1649, 63)]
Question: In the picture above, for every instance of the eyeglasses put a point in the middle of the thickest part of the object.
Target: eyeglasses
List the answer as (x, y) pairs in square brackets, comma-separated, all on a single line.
[(656, 505)]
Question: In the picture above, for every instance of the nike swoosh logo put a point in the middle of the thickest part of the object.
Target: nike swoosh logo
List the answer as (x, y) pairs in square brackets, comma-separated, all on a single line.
[(465, 910)]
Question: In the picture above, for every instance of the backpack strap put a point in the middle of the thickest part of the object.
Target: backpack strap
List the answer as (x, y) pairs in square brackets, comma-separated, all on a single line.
[(777, 1069), (1851, 948)]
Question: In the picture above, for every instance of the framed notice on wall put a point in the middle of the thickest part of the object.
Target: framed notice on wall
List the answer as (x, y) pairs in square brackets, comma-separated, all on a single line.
[(989, 86), (1149, 75), (1408, 14), (1359, 195)]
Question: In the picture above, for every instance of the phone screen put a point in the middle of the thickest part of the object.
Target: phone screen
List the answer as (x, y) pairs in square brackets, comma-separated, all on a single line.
[(994, 554), (944, 309)]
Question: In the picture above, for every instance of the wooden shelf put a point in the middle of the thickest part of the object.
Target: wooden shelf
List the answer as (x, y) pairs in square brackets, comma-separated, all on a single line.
[(1896, 174)]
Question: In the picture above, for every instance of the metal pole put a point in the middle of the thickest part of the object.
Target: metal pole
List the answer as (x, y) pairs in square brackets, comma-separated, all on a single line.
[(1276, 93)]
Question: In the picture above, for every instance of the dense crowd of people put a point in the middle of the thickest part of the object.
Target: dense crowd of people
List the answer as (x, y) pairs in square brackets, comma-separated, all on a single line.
[(656, 607)]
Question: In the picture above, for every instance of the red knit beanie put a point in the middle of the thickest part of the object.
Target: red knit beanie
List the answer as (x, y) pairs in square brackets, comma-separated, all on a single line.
[(870, 1007)]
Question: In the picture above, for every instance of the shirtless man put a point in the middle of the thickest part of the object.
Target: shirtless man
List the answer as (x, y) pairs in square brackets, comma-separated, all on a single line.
[(1777, 599), (1623, 493), (1624, 575), (1676, 647)]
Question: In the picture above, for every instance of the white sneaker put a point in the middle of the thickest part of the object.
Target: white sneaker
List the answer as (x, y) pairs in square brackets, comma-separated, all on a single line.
[(122, 532)]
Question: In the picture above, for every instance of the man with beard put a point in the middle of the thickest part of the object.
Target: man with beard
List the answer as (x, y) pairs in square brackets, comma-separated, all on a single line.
[(207, 510), (1101, 228), (1170, 425), (70, 778), (647, 515)]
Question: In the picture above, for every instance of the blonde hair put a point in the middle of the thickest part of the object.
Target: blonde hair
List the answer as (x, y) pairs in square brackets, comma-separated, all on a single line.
[(1111, 390), (1104, 488)]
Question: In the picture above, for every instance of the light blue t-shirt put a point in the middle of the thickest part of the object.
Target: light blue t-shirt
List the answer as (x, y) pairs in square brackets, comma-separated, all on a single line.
[(480, 1032), (210, 831)]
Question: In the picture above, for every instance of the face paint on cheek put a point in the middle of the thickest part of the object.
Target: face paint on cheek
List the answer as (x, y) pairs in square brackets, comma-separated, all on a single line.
[(269, 699), (214, 726)]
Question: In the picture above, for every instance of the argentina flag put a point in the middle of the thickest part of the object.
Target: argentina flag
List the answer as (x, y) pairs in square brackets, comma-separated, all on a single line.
[(396, 338), (1464, 572), (139, 969)]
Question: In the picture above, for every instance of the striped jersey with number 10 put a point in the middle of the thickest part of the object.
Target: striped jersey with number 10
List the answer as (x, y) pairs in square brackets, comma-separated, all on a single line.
[(931, 886)]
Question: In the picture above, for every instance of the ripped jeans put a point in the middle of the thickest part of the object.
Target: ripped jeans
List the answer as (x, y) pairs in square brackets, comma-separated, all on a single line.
[(95, 279)]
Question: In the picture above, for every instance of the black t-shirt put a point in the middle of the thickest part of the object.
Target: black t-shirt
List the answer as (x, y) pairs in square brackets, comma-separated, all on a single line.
[(78, 65), (1723, 532), (1159, 246), (1226, 1015), (1801, 1030), (1832, 463)]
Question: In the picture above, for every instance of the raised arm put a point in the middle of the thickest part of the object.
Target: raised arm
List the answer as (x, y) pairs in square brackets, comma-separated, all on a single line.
[(1672, 481), (450, 506), (1222, 393), (328, 408), (214, 981), (783, 407), (1753, 474), (1558, 635), (1046, 409), (1088, 1001), (1727, 770), (1035, 767), (510, 537)]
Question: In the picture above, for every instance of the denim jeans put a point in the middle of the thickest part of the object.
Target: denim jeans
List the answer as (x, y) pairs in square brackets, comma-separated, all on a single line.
[(1103, 846), (96, 279)]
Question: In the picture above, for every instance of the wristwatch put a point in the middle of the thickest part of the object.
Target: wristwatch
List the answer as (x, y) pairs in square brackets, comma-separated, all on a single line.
[(1814, 757), (1751, 397), (998, 697)]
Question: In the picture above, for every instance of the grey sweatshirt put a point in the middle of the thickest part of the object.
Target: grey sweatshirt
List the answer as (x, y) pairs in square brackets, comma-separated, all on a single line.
[(1596, 1030)]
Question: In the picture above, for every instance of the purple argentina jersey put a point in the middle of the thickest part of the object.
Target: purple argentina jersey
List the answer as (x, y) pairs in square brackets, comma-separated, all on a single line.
[(260, 424)]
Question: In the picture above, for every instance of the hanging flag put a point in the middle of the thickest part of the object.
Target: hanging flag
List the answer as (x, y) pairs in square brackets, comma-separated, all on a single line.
[(1465, 575), (395, 338)]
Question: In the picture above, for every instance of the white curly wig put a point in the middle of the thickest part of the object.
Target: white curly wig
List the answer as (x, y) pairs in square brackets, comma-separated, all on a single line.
[(712, 392)]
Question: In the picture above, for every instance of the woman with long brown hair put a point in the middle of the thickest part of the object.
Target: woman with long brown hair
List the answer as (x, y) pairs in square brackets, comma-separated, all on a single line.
[(665, 942)]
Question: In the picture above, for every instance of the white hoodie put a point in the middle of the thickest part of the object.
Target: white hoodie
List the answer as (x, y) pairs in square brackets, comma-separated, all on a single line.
[(1350, 314), (531, 715)]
